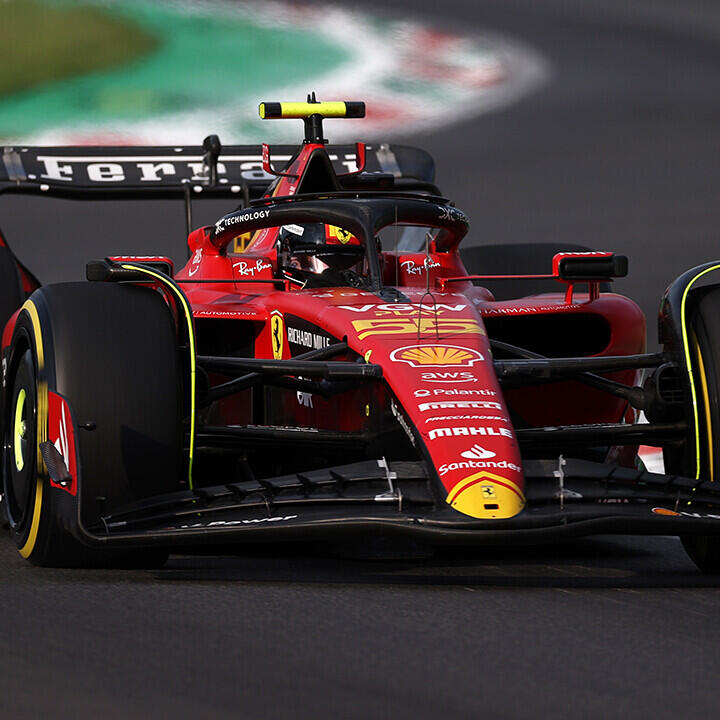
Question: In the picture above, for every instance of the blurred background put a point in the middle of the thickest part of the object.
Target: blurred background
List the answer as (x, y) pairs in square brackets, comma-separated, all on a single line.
[(594, 122)]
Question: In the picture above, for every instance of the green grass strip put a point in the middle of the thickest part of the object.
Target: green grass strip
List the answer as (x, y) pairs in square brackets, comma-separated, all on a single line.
[(43, 43)]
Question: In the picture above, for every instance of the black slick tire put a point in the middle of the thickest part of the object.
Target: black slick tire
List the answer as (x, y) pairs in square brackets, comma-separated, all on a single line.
[(111, 352), (704, 340)]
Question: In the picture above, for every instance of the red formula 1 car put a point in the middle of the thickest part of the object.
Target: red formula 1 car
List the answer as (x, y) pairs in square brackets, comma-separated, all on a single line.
[(325, 366)]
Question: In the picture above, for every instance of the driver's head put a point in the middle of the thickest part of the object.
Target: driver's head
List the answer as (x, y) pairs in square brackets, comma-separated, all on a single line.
[(317, 246)]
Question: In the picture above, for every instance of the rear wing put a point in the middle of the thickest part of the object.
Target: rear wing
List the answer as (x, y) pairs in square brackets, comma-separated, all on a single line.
[(169, 172)]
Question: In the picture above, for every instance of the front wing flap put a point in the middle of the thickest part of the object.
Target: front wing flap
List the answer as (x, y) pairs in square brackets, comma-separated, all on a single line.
[(564, 499)]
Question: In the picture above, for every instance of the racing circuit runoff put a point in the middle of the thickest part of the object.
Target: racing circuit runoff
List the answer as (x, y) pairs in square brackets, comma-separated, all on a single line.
[(325, 365), (407, 71)]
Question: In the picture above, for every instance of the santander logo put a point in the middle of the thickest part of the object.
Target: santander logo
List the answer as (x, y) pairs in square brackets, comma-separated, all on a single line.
[(477, 453)]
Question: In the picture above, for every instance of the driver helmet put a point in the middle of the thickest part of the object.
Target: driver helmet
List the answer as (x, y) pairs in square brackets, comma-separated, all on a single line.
[(317, 246)]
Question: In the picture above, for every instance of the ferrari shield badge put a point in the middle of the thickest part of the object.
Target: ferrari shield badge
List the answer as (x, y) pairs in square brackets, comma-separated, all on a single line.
[(277, 334)]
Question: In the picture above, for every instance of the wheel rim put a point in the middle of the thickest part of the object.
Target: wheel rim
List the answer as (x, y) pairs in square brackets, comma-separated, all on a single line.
[(20, 447), (20, 431)]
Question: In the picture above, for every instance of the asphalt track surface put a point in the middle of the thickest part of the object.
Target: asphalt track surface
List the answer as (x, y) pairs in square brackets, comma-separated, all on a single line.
[(619, 150)]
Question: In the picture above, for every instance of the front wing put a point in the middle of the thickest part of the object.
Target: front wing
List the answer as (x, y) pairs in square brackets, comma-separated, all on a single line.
[(565, 499)]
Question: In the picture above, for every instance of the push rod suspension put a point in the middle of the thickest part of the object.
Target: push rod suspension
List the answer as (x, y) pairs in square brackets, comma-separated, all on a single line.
[(308, 368), (600, 435), (635, 396), (550, 367), (253, 378)]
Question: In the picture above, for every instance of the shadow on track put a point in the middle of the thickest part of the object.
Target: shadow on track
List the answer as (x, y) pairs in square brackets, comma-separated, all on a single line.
[(588, 563)]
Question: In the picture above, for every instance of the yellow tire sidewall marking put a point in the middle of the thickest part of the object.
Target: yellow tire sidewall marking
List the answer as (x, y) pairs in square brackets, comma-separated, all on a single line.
[(706, 404), (686, 350), (29, 546), (42, 424)]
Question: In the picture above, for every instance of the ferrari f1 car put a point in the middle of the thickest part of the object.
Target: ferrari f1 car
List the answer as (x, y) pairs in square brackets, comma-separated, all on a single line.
[(328, 365)]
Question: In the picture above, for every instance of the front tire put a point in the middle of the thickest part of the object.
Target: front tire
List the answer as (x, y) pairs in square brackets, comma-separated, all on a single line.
[(111, 351), (704, 340)]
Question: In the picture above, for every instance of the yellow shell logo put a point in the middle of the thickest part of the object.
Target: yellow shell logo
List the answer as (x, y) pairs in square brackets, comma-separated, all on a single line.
[(436, 355)]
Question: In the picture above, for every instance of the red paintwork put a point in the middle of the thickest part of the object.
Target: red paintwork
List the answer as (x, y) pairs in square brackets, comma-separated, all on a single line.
[(29, 283), (61, 432), (568, 402), (454, 404), (8, 330), (426, 394)]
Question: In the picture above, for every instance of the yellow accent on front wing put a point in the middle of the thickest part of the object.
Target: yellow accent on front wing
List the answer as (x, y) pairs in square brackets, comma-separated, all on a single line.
[(487, 496)]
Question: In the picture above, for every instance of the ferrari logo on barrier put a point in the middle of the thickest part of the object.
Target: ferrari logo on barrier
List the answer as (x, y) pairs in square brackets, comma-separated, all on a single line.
[(277, 334), (415, 325)]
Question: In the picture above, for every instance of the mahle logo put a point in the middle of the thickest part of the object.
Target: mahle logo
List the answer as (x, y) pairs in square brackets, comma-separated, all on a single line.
[(445, 432), (436, 356)]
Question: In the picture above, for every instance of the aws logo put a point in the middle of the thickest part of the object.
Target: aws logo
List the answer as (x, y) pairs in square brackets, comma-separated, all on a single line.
[(448, 377)]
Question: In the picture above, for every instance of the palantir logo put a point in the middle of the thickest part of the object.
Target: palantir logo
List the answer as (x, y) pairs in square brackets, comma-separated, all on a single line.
[(477, 453)]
